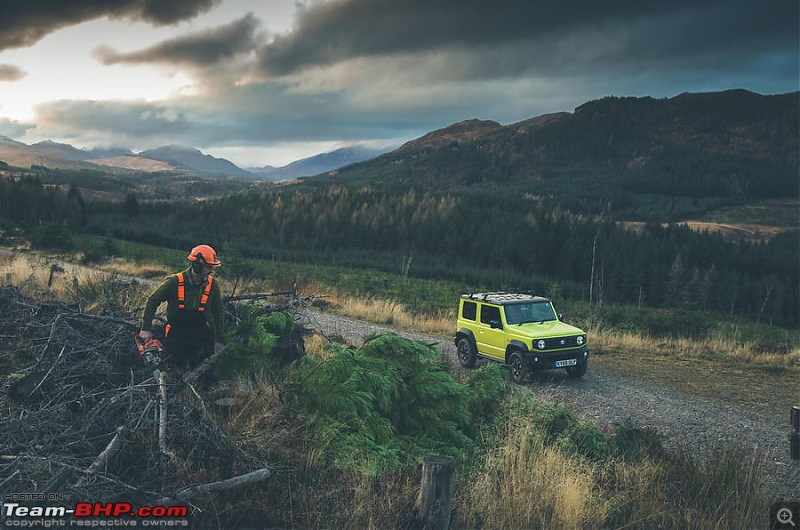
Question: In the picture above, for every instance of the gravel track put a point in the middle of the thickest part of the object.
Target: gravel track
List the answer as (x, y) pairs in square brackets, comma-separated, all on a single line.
[(605, 398)]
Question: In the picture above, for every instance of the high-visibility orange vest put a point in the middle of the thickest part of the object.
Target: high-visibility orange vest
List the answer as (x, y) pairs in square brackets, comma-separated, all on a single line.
[(182, 293), (182, 296)]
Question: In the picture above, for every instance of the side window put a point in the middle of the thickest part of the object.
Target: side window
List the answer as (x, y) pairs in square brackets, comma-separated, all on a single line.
[(469, 310), (489, 313), (514, 314)]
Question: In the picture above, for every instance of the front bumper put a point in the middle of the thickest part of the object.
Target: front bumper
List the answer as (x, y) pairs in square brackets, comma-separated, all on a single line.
[(543, 360)]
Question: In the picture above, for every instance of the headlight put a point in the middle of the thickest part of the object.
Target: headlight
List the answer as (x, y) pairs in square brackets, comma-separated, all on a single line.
[(540, 344), (579, 340)]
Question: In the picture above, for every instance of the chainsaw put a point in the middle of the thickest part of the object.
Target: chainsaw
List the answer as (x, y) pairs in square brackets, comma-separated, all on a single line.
[(151, 351)]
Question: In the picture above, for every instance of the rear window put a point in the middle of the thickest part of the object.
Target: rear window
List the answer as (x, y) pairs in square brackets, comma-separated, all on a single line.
[(469, 310)]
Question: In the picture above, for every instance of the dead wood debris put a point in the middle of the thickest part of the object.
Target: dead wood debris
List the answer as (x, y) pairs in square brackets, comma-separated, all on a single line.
[(80, 413)]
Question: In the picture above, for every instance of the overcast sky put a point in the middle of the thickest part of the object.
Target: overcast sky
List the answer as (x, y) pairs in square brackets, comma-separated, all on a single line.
[(267, 82)]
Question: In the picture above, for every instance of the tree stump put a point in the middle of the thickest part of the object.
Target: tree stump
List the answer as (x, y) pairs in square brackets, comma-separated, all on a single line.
[(432, 511)]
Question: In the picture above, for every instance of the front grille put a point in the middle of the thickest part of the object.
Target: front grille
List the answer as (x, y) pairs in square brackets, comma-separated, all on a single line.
[(558, 343)]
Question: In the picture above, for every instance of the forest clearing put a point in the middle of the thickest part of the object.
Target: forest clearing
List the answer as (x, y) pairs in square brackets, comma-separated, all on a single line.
[(741, 447)]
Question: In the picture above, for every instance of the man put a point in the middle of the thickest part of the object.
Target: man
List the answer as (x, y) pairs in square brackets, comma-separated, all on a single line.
[(194, 311)]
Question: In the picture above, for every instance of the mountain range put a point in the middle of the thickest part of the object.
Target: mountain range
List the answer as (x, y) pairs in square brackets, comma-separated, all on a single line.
[(734, 140), (719, 144), (168, 158)]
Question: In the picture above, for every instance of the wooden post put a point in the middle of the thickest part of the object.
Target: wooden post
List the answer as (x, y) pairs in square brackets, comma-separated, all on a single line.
[(432, 511)]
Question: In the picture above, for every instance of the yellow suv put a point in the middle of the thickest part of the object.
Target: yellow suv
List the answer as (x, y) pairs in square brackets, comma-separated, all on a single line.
[(521, 330)]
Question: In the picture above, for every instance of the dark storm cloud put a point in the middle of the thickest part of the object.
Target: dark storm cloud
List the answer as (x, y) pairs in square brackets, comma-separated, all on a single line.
[(198, 49), (683, 31), (9, 72), (136, 119), (252, 115), (23, 23)]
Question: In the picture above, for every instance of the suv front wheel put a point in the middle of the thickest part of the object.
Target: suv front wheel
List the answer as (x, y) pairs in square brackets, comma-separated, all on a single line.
[(466, 352), (519, 369)]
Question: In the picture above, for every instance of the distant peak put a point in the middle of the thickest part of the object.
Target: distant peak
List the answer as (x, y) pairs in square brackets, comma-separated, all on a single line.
[(177, 147), (473, 124), (466, 130)]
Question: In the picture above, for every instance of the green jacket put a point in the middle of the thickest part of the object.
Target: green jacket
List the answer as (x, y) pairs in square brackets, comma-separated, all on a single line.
[(168, 292)]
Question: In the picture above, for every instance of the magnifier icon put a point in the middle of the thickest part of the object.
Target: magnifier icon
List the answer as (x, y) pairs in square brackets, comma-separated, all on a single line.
[(785, 516)]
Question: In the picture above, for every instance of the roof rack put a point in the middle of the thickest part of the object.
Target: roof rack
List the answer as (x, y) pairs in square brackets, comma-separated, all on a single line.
[(500, 297)]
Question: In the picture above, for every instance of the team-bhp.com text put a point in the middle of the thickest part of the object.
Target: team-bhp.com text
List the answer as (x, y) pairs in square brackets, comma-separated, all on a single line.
[(93, 514)]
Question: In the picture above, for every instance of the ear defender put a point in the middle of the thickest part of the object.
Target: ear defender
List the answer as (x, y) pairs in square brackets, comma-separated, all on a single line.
[(197, 264)]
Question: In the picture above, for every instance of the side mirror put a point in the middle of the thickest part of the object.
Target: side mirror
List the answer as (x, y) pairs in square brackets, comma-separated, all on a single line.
[(561, 317), (495, 324)]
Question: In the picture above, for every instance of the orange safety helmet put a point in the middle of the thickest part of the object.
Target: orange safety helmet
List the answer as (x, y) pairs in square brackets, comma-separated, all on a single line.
[(204, 254)]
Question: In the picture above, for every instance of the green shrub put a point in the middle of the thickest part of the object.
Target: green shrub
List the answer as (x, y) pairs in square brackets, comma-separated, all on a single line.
[(632, 443), (558, 425), (54, 236), (263, 341), (383, 407), (488, 386)]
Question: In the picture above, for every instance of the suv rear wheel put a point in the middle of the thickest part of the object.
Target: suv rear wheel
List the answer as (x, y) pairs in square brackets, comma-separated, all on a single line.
[(466, 352)]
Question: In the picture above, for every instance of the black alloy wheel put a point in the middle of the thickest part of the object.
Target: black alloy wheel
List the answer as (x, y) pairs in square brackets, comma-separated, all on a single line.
[(466, 352)]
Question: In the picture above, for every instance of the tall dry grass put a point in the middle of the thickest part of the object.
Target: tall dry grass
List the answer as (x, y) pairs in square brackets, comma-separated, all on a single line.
[(394, 314), (527, 484), (715, 346), (135, 268), (46, 279)]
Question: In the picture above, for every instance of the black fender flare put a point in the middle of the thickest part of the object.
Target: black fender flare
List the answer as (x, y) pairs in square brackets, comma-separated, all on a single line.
[(517, 345), (464, 332)]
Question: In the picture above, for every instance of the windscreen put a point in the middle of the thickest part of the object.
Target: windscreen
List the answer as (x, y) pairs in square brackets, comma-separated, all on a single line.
[(529, 312)]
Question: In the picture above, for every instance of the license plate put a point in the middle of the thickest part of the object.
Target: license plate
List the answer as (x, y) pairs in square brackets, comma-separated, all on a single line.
[(566, 362)]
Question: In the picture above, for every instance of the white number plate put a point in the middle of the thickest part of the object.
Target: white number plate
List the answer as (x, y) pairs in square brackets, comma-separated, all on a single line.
[(566, 362)]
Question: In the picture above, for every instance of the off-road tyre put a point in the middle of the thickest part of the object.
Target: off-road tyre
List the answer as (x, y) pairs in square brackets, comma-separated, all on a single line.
[(466, 352), (519, 369)]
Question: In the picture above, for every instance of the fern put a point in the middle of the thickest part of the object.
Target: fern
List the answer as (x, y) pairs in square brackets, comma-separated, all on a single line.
[(384, 406), (488, 386), (555, 424), (263, 341)]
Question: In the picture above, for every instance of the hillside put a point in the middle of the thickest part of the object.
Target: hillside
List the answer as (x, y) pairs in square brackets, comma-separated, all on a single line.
[(136, 163), (54, 155), (47, 154), (613, 154), (190, 158)]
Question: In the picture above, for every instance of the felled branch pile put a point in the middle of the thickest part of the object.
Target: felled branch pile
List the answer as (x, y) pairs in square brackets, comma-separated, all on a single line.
[(80, 413)]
